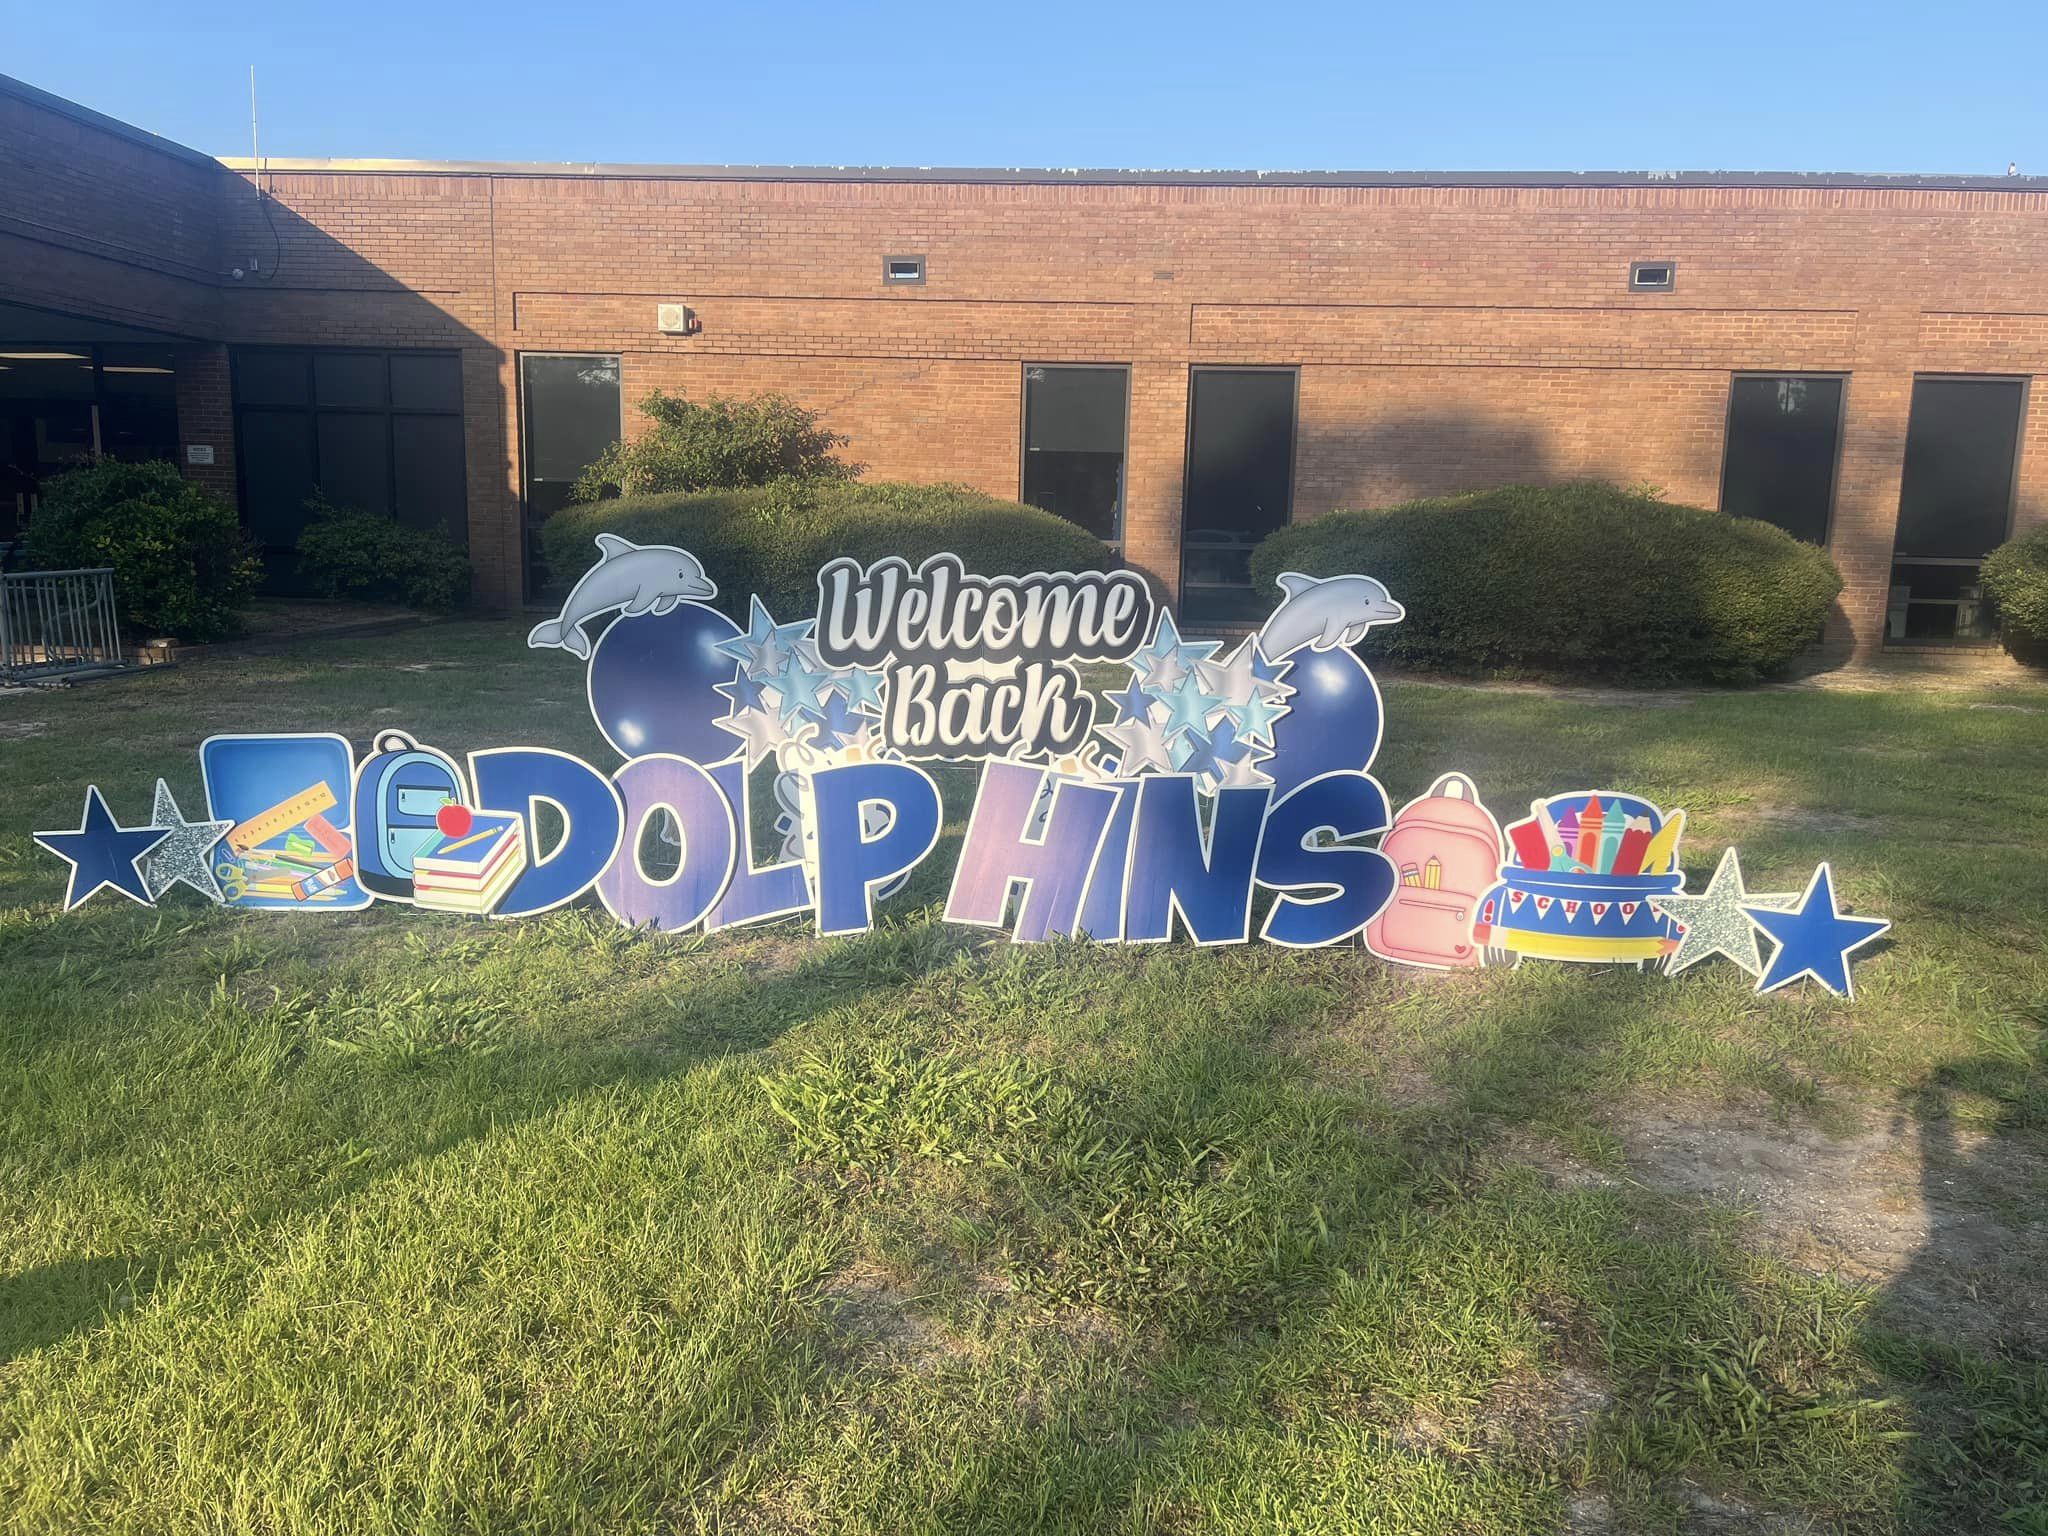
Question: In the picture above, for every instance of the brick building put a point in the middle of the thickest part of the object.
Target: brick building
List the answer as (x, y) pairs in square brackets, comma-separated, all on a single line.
[(1179, 361)]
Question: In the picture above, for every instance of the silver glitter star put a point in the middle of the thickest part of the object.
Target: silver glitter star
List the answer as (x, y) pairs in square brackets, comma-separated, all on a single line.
[(1714, 922), (182, 856)]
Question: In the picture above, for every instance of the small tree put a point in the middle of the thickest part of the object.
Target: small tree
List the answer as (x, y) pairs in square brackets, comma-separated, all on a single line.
[(718, 445), (181, 564)]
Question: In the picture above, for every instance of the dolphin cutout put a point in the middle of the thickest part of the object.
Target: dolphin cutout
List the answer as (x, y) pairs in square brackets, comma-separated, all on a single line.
[(1326, 612), (633, 578)]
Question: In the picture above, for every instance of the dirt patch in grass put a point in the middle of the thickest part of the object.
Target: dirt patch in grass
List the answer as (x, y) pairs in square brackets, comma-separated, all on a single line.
[(1938, 1217), (879, 1319)]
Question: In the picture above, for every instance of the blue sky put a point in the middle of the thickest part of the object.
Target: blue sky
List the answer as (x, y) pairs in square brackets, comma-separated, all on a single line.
[(1682, 85)]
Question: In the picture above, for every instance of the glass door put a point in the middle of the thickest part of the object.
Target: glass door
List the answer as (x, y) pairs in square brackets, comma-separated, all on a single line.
[(571, 411), (1955, 506)]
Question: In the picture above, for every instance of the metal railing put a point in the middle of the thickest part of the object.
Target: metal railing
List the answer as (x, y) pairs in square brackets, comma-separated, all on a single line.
[(57, 623)]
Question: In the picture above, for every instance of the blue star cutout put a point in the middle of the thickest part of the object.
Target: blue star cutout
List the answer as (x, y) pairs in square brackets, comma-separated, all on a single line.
[(837, 724), (1265, 671), (1166, 638), (1201, 756), (1224, 745), (103, 853), (1134, 703), (1814, 938), (800, 687), (1212, 753), (1255, 717), (766, 646), (863, 689), (1188, 706), (744, 691)]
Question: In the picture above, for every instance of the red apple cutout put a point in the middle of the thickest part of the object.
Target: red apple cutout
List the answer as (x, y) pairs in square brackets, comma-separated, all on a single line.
[(454, 820)]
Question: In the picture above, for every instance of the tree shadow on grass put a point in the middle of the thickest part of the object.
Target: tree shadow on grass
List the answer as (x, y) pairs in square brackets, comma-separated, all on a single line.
[(45, 1303), (1962, 1331)]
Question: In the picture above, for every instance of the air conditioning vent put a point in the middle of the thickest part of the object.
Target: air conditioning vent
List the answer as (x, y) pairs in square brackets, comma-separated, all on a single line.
[(674, 319)]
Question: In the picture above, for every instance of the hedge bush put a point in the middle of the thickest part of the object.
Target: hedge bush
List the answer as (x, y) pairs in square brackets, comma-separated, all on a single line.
[(182, 566), (359, 554), (718, 445), (1580, 580), (772, 539), (2015, 577)]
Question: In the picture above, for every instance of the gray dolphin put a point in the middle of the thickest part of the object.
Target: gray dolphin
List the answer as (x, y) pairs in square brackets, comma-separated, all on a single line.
[(634, 578), (1326, 612)]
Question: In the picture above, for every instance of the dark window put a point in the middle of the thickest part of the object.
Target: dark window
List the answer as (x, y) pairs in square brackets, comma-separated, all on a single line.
[(570, 411), (903, 269), (1074, 445), (426, 381), (1955, 505), (427, 473), (1652, 276), (355, 460), (371, 431), (1779, 463), (349, 378), (1240, 480), (267, 377), (277, 475)]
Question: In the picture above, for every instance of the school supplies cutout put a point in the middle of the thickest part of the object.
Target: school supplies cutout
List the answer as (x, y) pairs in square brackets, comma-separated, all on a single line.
[(1580, 884), (1446, 849)]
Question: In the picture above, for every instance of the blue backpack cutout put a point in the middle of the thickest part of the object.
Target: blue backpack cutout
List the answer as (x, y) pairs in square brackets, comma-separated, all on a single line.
[(399, 791)]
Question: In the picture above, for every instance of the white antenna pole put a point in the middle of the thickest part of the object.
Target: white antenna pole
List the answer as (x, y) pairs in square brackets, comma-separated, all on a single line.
[(254, 152)]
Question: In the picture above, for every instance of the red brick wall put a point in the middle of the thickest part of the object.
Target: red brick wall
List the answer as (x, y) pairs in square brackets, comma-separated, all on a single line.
[(99, 225), (1447, 338)]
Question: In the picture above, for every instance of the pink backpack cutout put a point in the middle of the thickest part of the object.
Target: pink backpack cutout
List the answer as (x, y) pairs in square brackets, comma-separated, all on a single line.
[(1446, 851)]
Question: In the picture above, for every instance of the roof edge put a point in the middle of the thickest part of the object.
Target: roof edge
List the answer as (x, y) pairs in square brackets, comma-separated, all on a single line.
[(1027, 176), (64, 107)]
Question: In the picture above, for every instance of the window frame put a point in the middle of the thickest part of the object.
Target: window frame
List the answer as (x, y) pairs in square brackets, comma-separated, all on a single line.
[(1841, 436), (1123, 506)]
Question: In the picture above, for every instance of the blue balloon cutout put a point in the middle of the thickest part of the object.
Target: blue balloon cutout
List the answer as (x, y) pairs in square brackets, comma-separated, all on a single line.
[(1332, 722), (653, 681)]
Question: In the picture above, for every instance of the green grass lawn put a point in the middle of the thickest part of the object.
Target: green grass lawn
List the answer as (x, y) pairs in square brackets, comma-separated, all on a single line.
[(393, 1221)]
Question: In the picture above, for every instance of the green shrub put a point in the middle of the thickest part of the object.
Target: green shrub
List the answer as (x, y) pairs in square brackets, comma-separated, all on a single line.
[(718, 445), (1584, 580), (771, 540), (2015, 576), (181, 564), (360, 554)]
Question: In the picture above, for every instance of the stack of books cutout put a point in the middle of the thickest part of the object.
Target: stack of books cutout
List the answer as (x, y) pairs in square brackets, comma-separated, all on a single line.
[(470, 870)]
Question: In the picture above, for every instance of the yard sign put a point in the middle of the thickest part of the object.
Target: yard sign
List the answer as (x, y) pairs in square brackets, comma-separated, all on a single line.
[(1164, 804)]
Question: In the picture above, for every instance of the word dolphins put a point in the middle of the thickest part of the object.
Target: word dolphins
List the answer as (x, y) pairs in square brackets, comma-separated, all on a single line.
[(1325, 613), (634, 578)]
